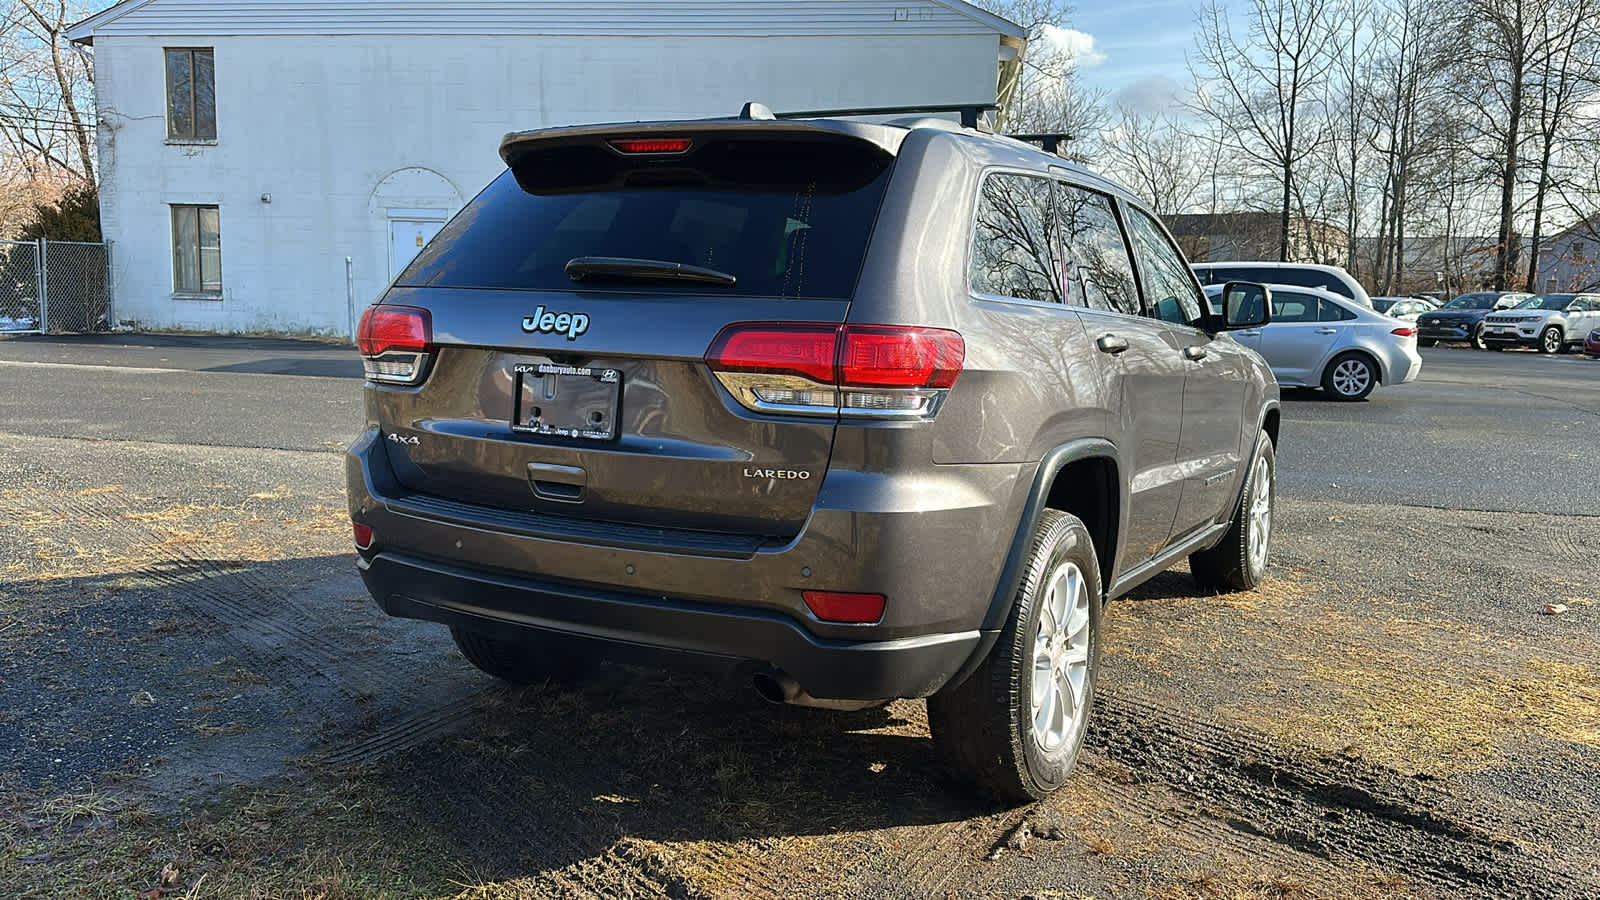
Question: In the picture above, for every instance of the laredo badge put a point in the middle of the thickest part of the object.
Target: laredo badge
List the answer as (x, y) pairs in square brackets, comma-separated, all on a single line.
[(569, 324)]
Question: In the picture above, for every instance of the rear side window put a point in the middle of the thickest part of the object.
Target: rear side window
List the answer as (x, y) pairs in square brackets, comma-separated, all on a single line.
[(787, 219), (1095, 269), (1328, 311), (1011, 244)]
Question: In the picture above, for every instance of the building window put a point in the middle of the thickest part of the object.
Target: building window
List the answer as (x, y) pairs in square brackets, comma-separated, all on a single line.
[(191, 95), (196, 250)]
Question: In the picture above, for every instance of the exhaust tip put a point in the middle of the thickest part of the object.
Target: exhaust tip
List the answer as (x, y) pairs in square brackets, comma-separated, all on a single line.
[(775, 687)]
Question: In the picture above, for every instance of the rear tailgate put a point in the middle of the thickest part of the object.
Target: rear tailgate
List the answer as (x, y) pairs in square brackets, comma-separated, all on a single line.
[(589, 397)]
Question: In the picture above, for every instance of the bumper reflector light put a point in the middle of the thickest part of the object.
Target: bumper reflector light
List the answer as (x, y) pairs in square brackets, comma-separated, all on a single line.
[(842, 606), (363, 535)]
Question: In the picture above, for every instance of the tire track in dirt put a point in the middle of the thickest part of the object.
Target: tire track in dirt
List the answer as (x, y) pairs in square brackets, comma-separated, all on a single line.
[(268, 625), (1327, 807), (400, 736), (263, 624)]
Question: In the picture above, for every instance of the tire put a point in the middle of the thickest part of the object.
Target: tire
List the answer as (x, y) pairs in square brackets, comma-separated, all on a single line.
[(518, 662), (1551, 342), (1477, 338), (1426, 342), (986, 724), (1350, 376), (1239, 562)]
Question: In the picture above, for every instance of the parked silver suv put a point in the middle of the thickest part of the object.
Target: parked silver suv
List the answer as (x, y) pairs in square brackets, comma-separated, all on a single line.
[(1549, 322), (856, 411)]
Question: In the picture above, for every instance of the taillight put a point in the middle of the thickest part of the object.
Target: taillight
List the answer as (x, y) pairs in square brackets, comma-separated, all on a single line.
[(396, 343), (1404, 332), (806, 351), (886, 356), (887, 371)]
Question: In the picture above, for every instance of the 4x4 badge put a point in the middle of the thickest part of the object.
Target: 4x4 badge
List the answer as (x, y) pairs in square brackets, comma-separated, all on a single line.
[(569, 324)]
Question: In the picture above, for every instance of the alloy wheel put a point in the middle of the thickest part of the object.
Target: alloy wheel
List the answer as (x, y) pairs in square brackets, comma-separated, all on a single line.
[(1260, 515), (1351, 377), (1061, 658)]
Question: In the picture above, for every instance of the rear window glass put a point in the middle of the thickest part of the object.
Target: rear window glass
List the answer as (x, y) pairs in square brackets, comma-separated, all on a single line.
[(786, 218)]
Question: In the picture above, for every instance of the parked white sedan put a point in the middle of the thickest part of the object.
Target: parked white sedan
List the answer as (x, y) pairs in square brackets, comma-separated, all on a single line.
[(1320, 339)]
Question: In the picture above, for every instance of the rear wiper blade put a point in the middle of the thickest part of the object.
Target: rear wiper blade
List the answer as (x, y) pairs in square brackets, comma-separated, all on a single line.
[(585, 267)]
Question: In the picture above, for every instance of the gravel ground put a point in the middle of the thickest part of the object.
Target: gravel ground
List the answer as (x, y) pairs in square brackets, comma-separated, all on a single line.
[(191, 676)]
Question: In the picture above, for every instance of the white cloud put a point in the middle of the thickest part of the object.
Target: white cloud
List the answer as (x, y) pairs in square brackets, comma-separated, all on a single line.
[(1150, 94), (1075, 48)]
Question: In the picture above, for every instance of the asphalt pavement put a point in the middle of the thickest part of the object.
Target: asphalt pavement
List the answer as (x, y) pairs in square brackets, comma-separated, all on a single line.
[(1510, 431)]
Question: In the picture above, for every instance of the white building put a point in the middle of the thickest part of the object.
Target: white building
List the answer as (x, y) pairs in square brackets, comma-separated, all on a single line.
[(268, 166)]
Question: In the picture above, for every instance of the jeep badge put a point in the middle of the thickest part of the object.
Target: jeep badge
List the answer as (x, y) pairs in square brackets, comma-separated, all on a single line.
[(569, 324)]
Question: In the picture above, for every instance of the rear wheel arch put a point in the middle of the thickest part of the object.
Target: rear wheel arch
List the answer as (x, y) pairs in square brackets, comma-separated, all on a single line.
[(1089, 488), (1368, 355), (1097, 463)]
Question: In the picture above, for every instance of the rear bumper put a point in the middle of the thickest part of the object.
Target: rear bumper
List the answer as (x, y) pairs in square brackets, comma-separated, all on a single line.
[(932, 543), (661, 631)]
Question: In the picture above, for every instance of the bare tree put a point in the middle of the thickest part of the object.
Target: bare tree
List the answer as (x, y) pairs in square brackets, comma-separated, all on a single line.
[(1350, 131), (43, 88), (1564, 76), (1499, 50), (1408, 121), (1156, 156), (1263, 89), (1047, 96)]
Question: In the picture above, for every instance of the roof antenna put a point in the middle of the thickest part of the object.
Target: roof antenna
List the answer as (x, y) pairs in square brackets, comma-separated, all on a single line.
[(754, 110)]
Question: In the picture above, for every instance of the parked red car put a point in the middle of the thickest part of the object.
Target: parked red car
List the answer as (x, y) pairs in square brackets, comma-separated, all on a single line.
[(1591, 344)]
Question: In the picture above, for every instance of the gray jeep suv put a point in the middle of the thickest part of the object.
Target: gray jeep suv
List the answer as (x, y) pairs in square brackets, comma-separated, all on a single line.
[(856, 411)]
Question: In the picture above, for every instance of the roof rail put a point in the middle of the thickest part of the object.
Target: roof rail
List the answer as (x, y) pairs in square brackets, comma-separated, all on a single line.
[(971, 113), (1049, 143)]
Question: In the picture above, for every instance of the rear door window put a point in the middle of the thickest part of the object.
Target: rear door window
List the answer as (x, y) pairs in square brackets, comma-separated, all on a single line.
[(1011, 243), (1095, 269), (785, 218), (1288, 306)]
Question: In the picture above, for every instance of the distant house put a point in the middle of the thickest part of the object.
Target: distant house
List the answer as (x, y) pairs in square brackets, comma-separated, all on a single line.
[(1450, 265), (1570, 260), (1255, 235), (270, 165)]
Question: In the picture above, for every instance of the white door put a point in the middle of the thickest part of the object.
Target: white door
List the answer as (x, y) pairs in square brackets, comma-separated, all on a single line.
[(407, 237)]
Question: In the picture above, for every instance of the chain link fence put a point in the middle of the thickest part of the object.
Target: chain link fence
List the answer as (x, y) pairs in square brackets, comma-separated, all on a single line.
[(20, 294), (54, 286)]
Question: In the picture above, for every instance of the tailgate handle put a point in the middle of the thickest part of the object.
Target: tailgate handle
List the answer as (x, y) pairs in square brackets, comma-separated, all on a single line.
[(563, 484)]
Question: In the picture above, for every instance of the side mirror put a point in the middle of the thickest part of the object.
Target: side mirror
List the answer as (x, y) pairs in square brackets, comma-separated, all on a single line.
[(1245, 304)]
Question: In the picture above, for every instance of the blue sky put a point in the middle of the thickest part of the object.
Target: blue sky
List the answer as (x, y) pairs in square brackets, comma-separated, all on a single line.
[(1139, 48)]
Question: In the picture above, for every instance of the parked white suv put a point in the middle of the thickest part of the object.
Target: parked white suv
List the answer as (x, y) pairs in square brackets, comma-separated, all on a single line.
[(1550, 322), (1328, 278)]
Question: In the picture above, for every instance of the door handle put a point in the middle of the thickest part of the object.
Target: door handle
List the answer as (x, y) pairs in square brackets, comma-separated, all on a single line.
[(1110, 343), (1250, 332), (1194, 354), (1327, 331)]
